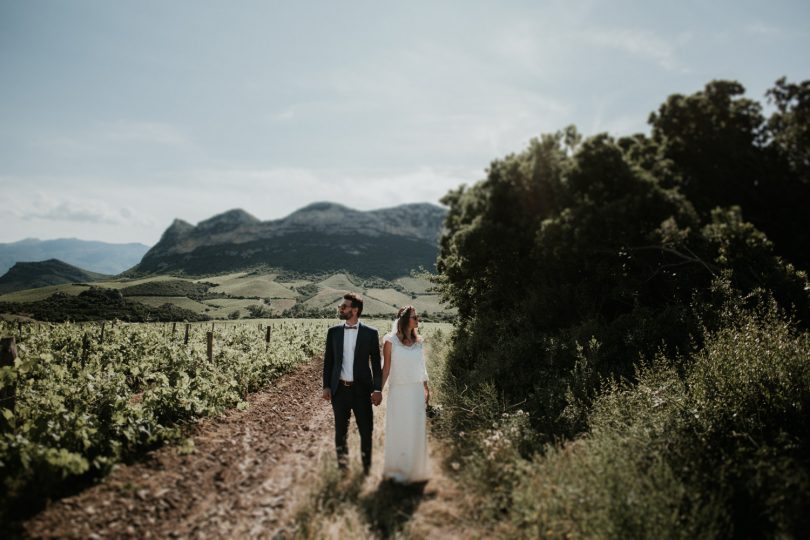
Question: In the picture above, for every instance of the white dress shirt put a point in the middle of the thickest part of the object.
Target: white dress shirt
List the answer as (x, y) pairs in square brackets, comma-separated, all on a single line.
[(349, 345)]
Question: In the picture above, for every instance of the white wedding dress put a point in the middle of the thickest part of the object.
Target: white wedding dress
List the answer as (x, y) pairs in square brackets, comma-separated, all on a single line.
[(406, 458)]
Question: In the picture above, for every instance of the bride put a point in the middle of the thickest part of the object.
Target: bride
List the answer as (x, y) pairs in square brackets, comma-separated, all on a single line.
[(406, 457)]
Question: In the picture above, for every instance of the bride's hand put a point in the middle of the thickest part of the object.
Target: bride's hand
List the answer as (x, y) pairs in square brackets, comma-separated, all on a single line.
[(427, 395)]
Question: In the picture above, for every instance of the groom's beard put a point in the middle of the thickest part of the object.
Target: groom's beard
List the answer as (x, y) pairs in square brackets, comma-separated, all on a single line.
[(343, 316)]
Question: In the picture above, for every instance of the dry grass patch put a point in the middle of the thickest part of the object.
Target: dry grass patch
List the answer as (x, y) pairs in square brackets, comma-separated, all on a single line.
[(179, 301), (414, 285), (256, 286), (324, 298), (389, 296), (121, 284), (41, 293), (338, 281)]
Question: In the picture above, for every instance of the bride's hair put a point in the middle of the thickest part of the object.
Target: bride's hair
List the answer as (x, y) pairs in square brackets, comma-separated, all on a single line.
[(403, 318)]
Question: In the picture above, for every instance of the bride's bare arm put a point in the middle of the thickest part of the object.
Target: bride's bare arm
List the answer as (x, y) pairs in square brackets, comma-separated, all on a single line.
[(386, 362)]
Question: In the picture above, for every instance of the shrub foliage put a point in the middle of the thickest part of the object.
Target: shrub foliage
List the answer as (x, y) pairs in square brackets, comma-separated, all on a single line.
[(570, 241), (631, 353)]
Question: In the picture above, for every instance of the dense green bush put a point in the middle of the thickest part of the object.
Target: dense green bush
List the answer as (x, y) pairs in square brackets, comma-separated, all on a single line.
[(572, 240), (714, 445), (721, 451), (573, 263)]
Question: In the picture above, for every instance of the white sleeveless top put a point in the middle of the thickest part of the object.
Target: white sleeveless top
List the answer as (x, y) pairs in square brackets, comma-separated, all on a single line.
[(407, 363)]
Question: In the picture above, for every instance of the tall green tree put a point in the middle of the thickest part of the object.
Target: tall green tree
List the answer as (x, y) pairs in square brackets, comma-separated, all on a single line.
[(720, 150), (572, 253)]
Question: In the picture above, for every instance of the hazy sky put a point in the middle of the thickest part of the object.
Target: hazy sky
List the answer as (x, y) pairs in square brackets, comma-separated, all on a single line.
[(118, 116)]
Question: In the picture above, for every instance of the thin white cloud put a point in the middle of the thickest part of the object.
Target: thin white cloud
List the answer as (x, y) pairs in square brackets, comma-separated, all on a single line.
[(276, 192), (112, 137), (762, 29), (284, 115), (639, 43), (89, 211), (157, 133)]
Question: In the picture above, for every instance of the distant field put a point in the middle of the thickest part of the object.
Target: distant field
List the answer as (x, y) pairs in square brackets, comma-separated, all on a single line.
[(179, 301), (423, 303), (231, 302), (418, 286), (253, 288), (256, 286), (32, 295), (372, 307), (222, 307), (294, 283), (120, 284), (391, 297), (324, 298), (280, 305), (338, 281), (224, 278), (429, 303)]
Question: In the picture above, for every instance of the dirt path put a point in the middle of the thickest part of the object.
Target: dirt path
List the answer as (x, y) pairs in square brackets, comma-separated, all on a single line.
[(237, 483), (248, 472)]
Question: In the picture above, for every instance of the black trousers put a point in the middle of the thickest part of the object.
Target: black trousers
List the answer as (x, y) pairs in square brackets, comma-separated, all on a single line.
[(355, 398)]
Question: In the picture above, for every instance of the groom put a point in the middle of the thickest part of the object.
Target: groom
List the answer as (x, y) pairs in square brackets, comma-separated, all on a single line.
[(352, 378)]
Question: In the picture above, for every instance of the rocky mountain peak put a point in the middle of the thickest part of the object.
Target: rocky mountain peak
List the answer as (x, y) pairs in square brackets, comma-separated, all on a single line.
[(312, 239), (227, 220)]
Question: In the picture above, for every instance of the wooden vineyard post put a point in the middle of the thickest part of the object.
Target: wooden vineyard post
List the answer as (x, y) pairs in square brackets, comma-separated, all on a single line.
[(8, 396), (185, 339), (174, 330), (267, 338), (85, 347), (19, 329), (210, 348), (101, 337)]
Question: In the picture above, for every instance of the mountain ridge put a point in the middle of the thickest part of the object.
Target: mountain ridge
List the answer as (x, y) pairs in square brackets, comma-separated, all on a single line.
[(320, 237), (29, 275), (91, 255)]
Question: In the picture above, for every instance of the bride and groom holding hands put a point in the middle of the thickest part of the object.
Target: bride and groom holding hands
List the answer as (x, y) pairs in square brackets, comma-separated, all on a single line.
[(353, 379)]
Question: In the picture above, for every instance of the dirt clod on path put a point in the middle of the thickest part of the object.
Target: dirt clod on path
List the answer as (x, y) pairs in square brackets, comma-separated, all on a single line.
[(239, 481)]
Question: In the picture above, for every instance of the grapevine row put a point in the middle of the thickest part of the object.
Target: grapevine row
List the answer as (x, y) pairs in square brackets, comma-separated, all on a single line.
[(83, 403)]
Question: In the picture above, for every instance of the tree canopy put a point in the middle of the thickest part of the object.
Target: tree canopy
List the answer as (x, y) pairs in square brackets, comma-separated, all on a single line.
[(606, 250)]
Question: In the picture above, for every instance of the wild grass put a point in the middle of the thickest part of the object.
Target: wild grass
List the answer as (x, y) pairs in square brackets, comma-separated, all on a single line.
[(341, 504), (716, 445)]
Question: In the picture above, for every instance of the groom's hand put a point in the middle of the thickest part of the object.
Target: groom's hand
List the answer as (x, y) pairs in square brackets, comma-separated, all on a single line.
[(376, 397), (327, 394)]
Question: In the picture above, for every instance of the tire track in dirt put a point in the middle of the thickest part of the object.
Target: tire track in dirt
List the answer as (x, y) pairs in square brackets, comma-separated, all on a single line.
[(241, 480)]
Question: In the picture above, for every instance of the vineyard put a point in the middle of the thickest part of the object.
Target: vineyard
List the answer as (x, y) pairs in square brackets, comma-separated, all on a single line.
[(80, 398)]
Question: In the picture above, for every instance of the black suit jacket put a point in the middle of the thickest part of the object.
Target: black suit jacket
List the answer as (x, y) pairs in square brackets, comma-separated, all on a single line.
[(367, 370)]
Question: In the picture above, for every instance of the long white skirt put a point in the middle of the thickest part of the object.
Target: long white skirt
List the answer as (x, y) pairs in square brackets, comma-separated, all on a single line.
[(406, 457)]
